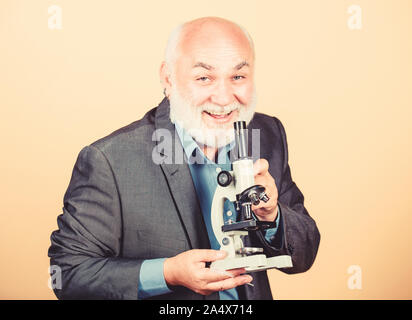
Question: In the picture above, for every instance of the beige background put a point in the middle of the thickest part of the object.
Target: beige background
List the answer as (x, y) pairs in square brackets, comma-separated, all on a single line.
[(344, 96)]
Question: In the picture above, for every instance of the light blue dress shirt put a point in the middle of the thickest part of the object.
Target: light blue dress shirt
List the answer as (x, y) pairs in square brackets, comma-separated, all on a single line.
[(204, 175)]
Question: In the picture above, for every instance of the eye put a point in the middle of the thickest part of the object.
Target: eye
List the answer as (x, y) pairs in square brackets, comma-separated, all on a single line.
[(203, 79), (238, 77)]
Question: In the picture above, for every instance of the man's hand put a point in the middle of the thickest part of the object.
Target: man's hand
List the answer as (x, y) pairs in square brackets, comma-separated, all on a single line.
[(265, 211), (188, 269)]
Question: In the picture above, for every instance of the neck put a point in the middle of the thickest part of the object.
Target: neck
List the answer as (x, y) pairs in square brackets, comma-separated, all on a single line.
[(209, 152)]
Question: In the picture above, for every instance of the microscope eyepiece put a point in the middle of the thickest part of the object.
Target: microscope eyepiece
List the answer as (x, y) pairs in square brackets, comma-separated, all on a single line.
[(238, 125), (241, 139)]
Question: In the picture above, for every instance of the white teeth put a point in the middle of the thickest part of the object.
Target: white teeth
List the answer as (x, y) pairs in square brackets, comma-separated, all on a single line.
[(219, 113)]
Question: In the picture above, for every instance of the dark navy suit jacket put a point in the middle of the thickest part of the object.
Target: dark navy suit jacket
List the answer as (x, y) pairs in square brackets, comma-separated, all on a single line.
[(121, 208)]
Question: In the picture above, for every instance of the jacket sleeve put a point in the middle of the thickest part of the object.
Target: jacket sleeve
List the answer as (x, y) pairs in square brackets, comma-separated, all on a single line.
[(86, 247), (297, 235)]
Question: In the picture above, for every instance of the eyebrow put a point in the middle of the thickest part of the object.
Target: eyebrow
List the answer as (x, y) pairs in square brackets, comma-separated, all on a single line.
[(241, 65), (203, 65), (209, 67)]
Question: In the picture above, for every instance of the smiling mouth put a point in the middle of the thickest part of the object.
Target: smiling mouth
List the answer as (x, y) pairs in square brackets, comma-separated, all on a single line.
[(219, 115)]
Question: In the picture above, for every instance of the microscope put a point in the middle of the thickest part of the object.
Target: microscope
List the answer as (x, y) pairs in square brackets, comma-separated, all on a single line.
[(238, 186)]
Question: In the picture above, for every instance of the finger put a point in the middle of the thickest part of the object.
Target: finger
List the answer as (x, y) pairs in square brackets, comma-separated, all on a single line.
[(263, 213), (207, 255), (209, 275), (213, 275), (260, 166), (229, 283), (263, 181), (236, 272), (270, 189), (268, 182)]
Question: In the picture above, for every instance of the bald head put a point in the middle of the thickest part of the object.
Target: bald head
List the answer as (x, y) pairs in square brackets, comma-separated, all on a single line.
[(205, 31)]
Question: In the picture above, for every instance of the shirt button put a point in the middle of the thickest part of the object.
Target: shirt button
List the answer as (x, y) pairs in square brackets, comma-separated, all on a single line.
[(229, 213)]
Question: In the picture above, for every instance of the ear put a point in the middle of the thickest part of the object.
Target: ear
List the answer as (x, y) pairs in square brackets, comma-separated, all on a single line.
[(165, 78)]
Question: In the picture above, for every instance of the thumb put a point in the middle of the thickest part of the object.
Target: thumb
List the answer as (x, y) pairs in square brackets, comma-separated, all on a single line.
[(260, 166), (208, 255)]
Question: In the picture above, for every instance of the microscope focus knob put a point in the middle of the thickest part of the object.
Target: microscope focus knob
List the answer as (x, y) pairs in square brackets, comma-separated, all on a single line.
[(254, 198), (224, 178), (263, 196)]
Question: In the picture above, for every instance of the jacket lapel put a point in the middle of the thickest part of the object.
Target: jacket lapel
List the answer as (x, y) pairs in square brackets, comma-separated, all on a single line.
[(179, 179)]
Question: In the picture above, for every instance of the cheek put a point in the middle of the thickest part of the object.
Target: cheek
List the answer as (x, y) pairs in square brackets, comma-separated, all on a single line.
[(198, 95), (194, 94), (244, 93)]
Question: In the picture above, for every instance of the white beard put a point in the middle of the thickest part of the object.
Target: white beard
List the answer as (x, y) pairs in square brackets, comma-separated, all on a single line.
[(189, 117)]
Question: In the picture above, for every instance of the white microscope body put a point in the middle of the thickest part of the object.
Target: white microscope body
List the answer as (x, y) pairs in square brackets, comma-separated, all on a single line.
[(239, 186)]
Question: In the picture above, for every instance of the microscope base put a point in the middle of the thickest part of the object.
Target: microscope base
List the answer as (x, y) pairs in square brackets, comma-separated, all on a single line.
[(258, 262)]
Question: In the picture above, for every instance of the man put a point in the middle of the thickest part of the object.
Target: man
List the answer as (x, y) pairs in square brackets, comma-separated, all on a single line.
[(136, 220)]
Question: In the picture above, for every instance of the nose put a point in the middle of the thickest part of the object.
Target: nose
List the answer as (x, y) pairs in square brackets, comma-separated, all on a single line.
[(222, 94)]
